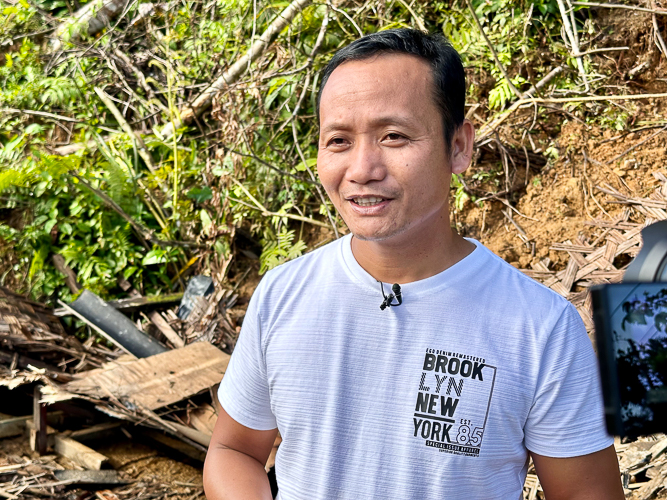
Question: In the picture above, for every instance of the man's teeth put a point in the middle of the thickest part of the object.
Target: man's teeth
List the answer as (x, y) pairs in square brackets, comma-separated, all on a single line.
[(368, 202)]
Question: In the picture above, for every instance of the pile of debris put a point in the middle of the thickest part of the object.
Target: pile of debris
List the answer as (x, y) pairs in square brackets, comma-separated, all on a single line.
[(643, 466), (160, 374)]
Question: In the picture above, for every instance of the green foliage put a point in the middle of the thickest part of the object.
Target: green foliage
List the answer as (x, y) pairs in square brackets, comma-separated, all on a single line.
[(648, 305), (278, 249), (190, 190), (460, 196), (58, 90)]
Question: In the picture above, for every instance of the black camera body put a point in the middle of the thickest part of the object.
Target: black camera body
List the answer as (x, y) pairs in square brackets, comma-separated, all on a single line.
[(631, 334)]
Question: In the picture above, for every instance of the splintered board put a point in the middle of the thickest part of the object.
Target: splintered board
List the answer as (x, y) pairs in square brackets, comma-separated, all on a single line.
[(158, 380)]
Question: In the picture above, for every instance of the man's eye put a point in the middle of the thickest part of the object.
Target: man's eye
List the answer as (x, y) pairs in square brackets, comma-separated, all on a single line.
[(394, 137), (337, 141)]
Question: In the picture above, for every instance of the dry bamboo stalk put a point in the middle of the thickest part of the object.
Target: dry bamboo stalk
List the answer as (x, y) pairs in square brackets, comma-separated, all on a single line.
[(236, 70), (571, 32), (141, 146), (619, 6)]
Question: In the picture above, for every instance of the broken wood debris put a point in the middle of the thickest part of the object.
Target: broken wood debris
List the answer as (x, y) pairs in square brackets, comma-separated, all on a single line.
[(153, 392), (643, 466), (30, 334), (151, 382)]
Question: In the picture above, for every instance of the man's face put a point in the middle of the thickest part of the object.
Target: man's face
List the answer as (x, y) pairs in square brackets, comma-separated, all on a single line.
[(382, 156)]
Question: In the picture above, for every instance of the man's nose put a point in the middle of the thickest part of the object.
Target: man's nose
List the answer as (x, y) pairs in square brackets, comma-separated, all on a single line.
[(366, 162)]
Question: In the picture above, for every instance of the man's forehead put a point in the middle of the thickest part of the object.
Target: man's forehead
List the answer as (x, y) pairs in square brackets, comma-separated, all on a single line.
[(385, 67), (381, 81)]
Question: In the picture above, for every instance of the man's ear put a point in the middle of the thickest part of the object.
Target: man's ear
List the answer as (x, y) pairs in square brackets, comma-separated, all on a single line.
[(462, 146)]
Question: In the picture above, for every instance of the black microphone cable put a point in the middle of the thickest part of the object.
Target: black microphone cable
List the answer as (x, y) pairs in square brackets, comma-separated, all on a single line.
[(389, 299)]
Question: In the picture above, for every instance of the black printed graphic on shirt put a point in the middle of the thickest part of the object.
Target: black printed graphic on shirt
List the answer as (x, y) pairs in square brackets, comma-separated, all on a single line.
[(453, 401)]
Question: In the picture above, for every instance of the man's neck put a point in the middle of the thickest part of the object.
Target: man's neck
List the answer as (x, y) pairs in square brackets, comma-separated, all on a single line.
[(408, 257)]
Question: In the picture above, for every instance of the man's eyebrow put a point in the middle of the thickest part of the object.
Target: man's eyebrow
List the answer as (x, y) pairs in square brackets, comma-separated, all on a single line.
[(377, 122)]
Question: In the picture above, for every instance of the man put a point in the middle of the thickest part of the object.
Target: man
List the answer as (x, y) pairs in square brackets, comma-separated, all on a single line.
[(442, 397)]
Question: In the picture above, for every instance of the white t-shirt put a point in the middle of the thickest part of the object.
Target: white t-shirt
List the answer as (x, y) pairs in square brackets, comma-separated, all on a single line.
[(439, 398)]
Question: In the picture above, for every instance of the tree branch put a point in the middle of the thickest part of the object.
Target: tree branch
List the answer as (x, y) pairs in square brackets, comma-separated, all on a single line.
[(236, 70)]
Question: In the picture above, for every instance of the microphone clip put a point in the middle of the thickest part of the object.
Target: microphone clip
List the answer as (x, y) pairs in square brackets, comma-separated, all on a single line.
[(389, 299)]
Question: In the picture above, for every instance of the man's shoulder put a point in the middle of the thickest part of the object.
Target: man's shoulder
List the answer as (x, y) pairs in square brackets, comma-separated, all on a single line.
[(513, 284)]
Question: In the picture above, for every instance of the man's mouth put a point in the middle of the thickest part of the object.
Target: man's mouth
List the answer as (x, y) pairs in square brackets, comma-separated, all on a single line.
[(368, 201)]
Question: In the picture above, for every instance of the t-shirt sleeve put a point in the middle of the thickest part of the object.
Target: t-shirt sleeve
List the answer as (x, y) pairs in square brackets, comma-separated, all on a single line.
[(244, 390), (567, 416)]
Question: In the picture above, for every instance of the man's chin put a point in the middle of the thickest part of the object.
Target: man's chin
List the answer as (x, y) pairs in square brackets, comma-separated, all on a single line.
[(377, 235)]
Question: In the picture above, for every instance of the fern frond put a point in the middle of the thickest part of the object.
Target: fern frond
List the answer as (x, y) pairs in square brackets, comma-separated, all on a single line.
[(279, 250), (59, 90)]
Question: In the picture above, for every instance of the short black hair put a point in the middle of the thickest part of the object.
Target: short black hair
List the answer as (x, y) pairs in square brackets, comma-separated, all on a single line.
[(448, 73)]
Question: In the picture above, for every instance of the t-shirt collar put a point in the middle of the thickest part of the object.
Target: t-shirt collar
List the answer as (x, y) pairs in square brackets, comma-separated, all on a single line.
[(462, 269)]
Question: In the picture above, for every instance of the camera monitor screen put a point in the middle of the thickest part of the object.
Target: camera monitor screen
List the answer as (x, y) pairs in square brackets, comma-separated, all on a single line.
[(631, 325)]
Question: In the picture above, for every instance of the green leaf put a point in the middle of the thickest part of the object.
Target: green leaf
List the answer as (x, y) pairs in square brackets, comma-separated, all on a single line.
[(34, 128), (49, 225), (200, 195), (156, 256)]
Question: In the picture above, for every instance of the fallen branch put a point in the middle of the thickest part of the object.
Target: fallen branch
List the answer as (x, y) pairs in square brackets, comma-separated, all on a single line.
[(571, 32), (40, 113), (514, 90), (603, 49), (620, 6), (91, 18), (490, 126), (267, 213), (543, 82), (236, 70)]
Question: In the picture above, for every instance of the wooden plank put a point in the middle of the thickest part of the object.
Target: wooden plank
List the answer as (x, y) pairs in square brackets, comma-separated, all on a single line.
[(13, 426), (203, 418), (158, 380), (39, 420), (69, 448), (166, 329), (32, 434), (99, 431), (203, 438), (79, 453), (90, 477), (175, 444)]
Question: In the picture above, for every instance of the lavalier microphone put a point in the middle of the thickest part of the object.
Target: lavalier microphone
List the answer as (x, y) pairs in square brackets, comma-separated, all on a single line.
[(389, 299)]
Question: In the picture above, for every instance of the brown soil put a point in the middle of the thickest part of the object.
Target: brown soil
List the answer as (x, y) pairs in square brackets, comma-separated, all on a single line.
[(557, 202)]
